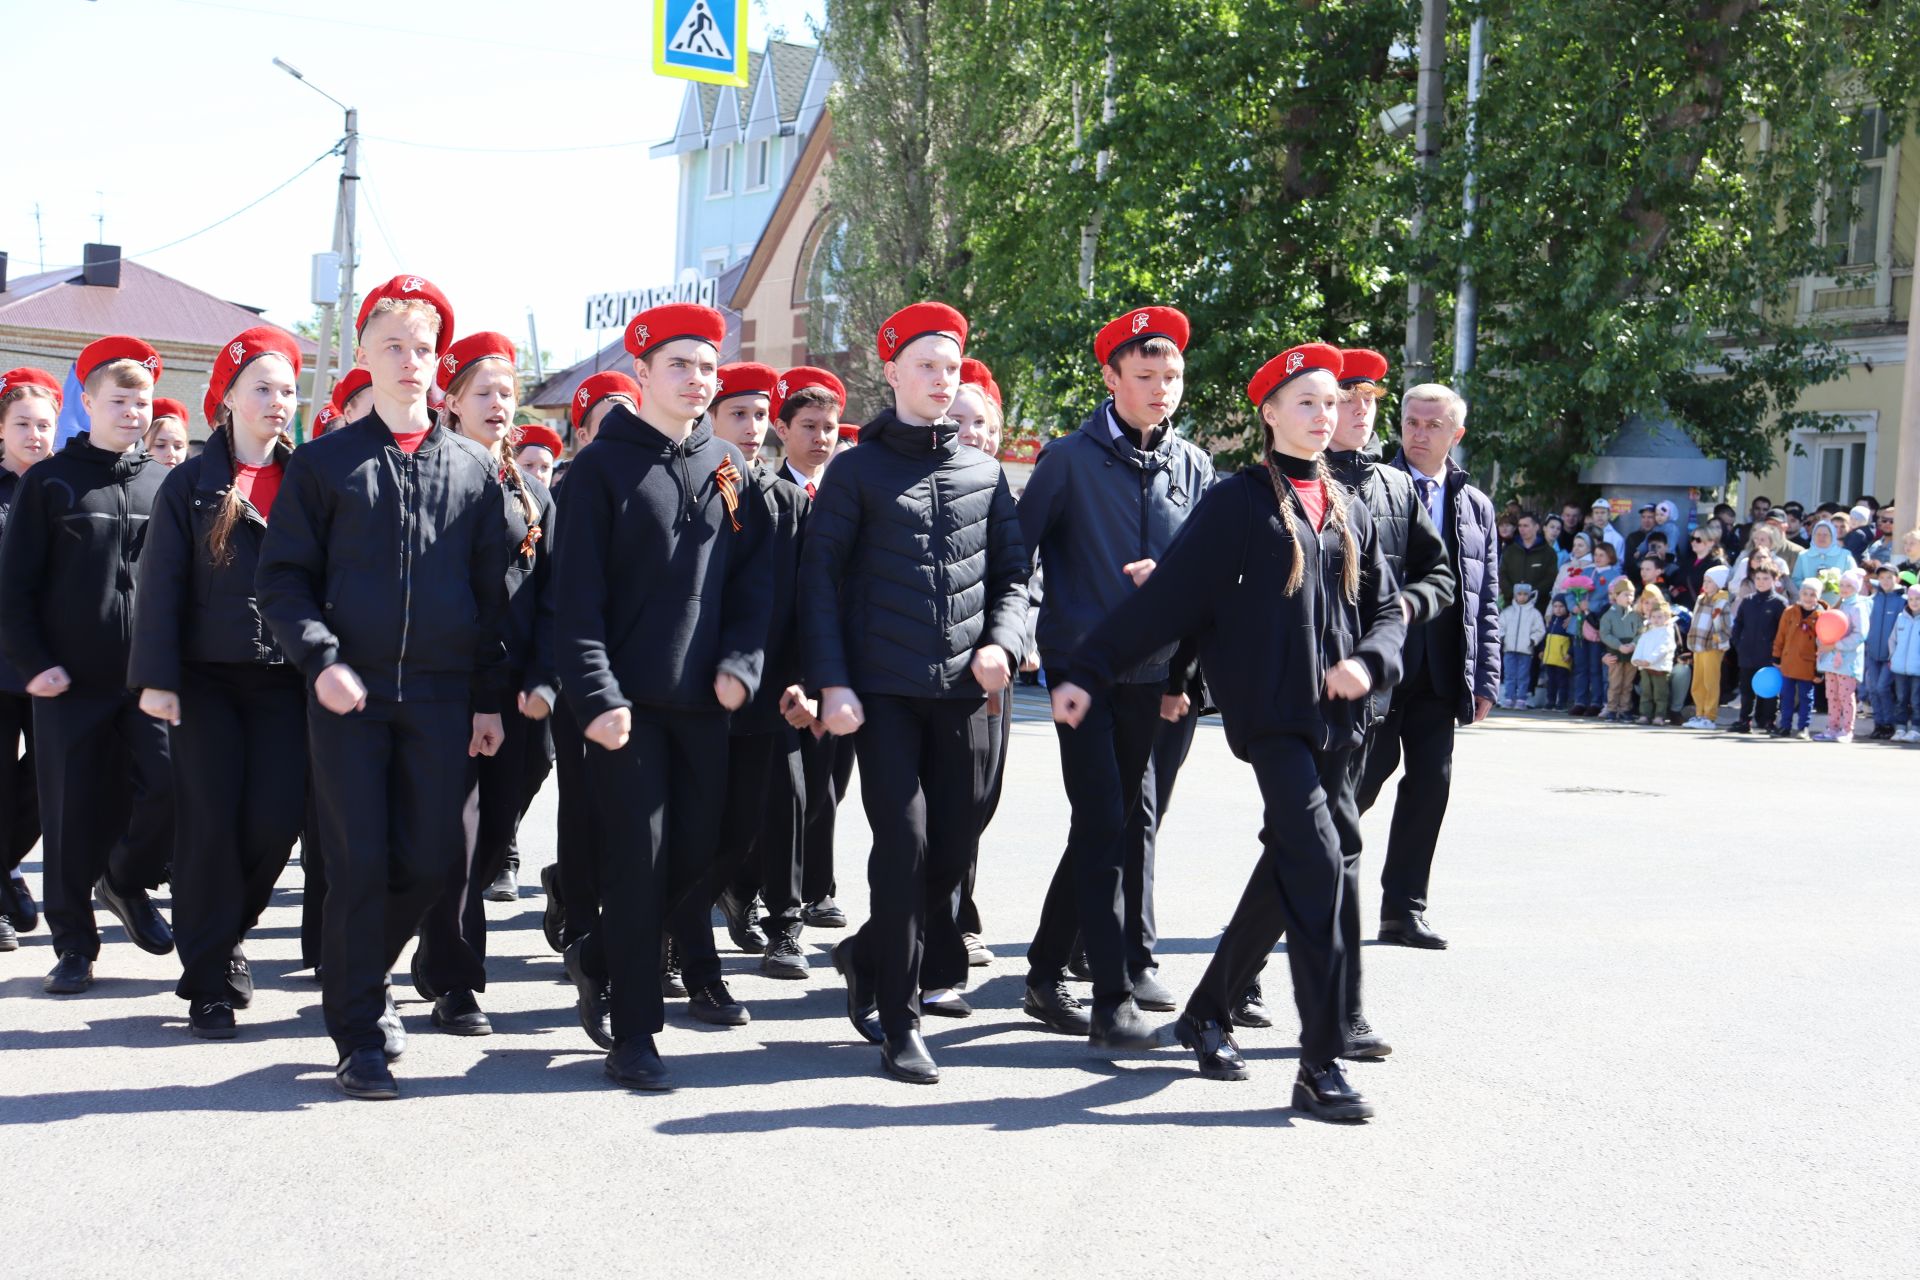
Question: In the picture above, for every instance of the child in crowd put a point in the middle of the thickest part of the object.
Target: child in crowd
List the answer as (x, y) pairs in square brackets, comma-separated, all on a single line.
[(1843, 661), (1558, 655), (1653, 651), (1755, 624), (1888, 603), (1903, 655), (1521, 631), (1606, 568), (1619, 629), (1708, 638), (1796, 649), (1589, 677)]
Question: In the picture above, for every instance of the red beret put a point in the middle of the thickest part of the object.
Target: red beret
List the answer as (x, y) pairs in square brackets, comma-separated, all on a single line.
[(261, 340), (977, 373), (676, 320), (745, 379), (597, 388), (352, 384), (541, 434), (1290, 364), (404, 288), (470, 351), (1361, 365), (850, 431), (167, 407), (13, 379), (324, 420), (802, 377), (1139, 324), (917, 321), (117, 347)]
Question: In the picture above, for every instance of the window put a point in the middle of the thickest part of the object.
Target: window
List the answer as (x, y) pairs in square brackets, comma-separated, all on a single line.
[(1853, 234), (826, 311), (760, 164), (1835, 465), (719, 172), (713, 261)]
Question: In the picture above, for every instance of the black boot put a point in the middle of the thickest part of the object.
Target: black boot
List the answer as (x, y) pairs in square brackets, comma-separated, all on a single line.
[(783, 957), (1053, 1004), (715, 1005), (862, 1004), (363, 1074), (594, 1000), (743, 922), (1363, 1042), (906, 1058), (1252, 1009), (635, 1064), (1321, 1090), (1218, 1056)]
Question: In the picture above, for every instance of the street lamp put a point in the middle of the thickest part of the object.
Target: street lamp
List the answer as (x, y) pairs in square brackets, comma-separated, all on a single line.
[(343, 239)]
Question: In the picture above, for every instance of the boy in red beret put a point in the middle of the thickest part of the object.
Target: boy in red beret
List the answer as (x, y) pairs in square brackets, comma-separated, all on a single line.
[(66, 616), (381, 576)]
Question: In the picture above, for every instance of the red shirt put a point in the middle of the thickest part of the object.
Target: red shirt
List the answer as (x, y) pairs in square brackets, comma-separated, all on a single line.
[(258, 485), (409, 440), (1313, 497)]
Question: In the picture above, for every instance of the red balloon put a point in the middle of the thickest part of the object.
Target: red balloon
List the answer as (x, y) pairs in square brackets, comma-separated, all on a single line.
[(1830, 627)]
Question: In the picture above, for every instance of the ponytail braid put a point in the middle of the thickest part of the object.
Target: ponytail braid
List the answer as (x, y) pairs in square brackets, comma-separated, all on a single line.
[(1283, 495), (1289, 501), (220, 536)]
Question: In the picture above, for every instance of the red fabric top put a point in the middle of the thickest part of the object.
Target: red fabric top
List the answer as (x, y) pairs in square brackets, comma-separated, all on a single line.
[(1313, 497), (258, 485), (409, 440)]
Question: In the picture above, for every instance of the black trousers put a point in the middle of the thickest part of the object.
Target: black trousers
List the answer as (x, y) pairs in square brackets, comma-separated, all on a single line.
[(390, 782), (1107, 767), (106, 802), (537, 763), (313, 881), (240, 795), (829, 767), (19, 798), (453, 935), (999, 714), (922, 773), (1171, 743), (577, 837), (660, 801), (1418, 727), (1309, 819), (758, 847)]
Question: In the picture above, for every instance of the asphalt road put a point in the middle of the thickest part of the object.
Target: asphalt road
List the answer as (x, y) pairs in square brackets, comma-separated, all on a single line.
[(1675, 1035)]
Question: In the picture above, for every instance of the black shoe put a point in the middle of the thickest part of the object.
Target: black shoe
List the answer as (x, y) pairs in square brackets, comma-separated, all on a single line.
[(906, 1058), (783, 957), (211, 1019), (1363, 1042), (392, 1029), (593, 1001), (743, 922), (70, 977), (1077, 967), (1881, 733), (978, 957), (635, 1064), (1057, 1007), (1152, 994), (240, 982), (9, 940), (672, 986), (824, 914), (715, 1005), (947, 1004), (1252, 1009), (1777, 732), (1122, 1028), (505, 886), (21, 908), (458, 1013), (1219, 1057), (1323, 1092), (143, 922), (1739, 726), (861, 1001), (363, 1074), (553, 917), (1412, 930), (420, 983)]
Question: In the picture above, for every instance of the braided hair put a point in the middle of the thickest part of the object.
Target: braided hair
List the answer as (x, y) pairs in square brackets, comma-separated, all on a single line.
[(510, 473), (1289, 502), (220, 536)]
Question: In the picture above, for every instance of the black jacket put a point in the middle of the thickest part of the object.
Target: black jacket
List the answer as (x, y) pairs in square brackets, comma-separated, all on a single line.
[(78, 524), (658, 591), (391, 563), (190, 609), (1474, 550), (1265, 653), (531, 595), (1755, 624), (11, 681), (912, 560), (786, 507), (1416, 554)]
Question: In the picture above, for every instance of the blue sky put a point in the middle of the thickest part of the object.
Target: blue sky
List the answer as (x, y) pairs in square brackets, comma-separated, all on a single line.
[(169, 115)]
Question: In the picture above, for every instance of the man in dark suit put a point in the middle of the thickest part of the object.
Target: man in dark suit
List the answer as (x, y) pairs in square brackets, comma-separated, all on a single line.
[(1452, 664)]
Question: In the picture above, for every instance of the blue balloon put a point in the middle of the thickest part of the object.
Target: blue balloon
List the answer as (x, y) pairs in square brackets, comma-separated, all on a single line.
[(1767, 682)]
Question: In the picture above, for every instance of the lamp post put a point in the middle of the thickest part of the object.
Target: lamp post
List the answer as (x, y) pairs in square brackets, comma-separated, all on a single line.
[(344, 210)]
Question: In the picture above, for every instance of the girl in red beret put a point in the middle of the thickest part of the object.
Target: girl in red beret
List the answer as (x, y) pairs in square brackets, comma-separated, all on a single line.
[(1279, 576), (166, 436)]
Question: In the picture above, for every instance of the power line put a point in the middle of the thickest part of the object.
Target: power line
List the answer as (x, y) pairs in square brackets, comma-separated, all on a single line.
[(334, 150), (379, 222), (512, 151)]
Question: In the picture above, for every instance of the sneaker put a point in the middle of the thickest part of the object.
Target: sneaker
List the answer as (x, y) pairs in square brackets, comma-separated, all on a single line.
[(1823, 736), (20, 906), (1842, 738), (743, 922), (211, 1020), (1739, 726), (783, 957), (824, 914), (670, 984), (715, 1005), (1801, 735), (978, 956), (393, 1031), (9, 939), (72, 975)]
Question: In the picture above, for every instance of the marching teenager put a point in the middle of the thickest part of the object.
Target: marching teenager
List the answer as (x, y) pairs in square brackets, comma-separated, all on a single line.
[(1101, 508), (205, 663), (29, 419), (536, 447), (807, 409), (1279, 573), (381, 578), (665, 591), (477, 378), (574, 876), (74, 535), (349, 402), (166, 436), (912, 600)]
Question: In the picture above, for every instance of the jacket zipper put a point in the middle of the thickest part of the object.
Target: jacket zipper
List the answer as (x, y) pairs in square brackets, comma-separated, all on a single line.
[(407, 493), (939, 565), (120, 579), (686, 483)]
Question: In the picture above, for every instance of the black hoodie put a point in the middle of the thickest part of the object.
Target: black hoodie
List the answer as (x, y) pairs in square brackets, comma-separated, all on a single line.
[(78, 524)]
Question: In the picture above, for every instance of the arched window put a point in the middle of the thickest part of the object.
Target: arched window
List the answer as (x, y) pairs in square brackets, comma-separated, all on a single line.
[(822, 255)]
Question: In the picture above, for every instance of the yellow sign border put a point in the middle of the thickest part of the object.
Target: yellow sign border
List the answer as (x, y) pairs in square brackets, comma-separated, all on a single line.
[(661, 67)]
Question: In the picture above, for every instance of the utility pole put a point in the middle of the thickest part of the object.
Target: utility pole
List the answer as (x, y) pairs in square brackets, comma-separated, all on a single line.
[(533, 343), (1090, 232), (1466, 312), (343, 232), (1906, 488), (349, 247), (1429, 104)]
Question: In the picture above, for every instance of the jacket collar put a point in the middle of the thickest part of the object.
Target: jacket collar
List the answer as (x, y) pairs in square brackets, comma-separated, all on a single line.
[(435, 437), (941, 439), (120, 465), (216, 466), (622, 423)]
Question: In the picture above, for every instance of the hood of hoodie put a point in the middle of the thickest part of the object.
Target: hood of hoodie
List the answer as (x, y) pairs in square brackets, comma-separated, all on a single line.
[(624, 425)]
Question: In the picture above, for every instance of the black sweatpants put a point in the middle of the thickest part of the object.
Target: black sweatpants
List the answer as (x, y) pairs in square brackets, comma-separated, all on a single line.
[(240, 797), (1419, 727), (922, 773), (106, 802), (999, 713), (19, 799), (390, 781), (829, 766), (1106, 765), (1309, 819), (577, 837), (660, 800), (453, 936), (759, 839)]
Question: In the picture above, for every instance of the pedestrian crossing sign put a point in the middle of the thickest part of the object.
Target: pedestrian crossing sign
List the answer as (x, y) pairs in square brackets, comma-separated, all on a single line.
[(701, 40)]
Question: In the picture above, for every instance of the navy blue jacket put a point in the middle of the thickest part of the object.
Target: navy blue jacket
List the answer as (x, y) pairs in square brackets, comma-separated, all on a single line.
[(1754, 624), (1474, 549)]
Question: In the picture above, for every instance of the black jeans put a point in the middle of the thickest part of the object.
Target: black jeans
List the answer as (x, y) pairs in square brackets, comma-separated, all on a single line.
[(19, 798), (577, 837), (1754, 709), (240, 783), (1309, 819), (390, 782), (759, 840), (1419, 726), (85, 744), (829, 767)]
